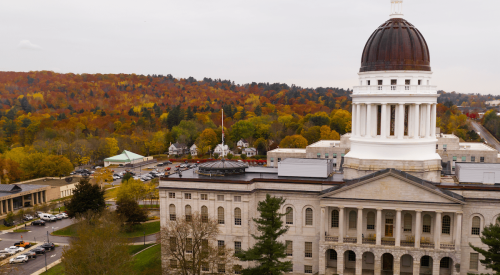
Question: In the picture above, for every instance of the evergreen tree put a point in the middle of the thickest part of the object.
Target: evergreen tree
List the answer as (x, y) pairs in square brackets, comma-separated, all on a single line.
[(491, 238), (258, 110), (86, 196), (267, 252), (243, 113), (189, 114)]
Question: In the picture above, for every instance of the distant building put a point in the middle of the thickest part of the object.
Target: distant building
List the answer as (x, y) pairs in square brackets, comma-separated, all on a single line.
[(126, 157), (493, 102), (194, 150), (249, 152), (177, 149), (219, 150), (242, 143)]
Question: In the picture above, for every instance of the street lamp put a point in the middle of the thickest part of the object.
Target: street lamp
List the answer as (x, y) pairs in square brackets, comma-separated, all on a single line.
[(144, 238)]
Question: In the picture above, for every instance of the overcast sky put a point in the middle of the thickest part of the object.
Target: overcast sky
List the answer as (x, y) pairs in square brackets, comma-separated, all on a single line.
[(309, 43)]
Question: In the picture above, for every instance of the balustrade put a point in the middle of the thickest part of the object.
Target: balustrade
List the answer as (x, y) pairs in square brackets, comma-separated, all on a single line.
[(421, 89)]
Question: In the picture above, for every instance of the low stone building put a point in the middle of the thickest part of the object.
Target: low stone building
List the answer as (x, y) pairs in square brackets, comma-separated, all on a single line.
[(16, 196), (58, 188)]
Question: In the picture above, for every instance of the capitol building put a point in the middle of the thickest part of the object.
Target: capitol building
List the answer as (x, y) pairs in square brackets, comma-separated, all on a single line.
[(392, 197)]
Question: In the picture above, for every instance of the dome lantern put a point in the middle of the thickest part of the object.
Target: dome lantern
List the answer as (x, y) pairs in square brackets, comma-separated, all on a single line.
[(396, 9)]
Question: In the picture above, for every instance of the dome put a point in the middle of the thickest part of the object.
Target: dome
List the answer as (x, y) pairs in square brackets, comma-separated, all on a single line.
[(396, 45), (222, 167)]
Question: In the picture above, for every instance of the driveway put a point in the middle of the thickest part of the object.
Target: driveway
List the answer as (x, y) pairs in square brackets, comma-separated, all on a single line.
[(486, 135)]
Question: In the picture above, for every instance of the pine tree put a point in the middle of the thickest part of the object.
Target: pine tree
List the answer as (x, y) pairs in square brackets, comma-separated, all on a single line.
[(267, 252), (491, 238), (243, 113), (258, 110)]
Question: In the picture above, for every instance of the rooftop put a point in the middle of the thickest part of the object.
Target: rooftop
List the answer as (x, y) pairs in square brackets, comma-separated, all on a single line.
[(305, 161), (475, 146), (9, 189), (50, 182), (326, 143), (288, 150)]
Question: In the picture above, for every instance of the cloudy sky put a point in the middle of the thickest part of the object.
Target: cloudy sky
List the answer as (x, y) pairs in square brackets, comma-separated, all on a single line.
[(309, 43)]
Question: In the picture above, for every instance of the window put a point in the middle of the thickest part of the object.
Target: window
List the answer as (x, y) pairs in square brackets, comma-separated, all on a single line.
[(272, 159), (437, 146), (204, 214), (446, 225), (352, 256), (379, 82), (171, 211), (173, 244), (187, 196), (204, 247), (481, 159), (426, 225), (171, 195), (204, 197), (308, 269), (353, 216), (204, 267), (464, 159), (407, 81), (289, 248), (220, 215), (407, 223), (237, 198), (291, 268), (334, 156), (474, 261), (445, 263), (419, 82), (326, 155), (333, 254), (368, 82), (394, 82), (237, 269), (220, 197), (289, 215), (279, 159), (173, 263), (454, 158), (342, 155), (221, 268), (476, 225), (309, 216), (188, 213), (308, 250), (473, 159), (370, 221), (237, 216), (425, 261), (237, 247), (189, 245), (318, 155), (220, 247), (335, 218)]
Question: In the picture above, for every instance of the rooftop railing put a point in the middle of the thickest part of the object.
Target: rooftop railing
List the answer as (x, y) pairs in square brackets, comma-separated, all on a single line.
[(377, 89)]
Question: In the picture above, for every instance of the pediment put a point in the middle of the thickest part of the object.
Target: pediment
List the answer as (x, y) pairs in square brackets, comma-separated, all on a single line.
[(391, 187)]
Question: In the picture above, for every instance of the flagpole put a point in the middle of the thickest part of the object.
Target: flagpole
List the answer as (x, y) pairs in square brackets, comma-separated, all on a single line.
[(222, 133)]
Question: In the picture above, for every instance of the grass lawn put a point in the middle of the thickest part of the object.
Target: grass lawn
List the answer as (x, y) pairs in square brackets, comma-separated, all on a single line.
[(149, 206), (149, 228), (62, 199), (20, 230), (148, 262), (111, 193), (55, 270), (132, 249)]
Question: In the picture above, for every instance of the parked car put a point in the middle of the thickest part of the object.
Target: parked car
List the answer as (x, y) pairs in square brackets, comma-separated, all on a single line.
[(22, 244), (167, 162), (8, 224), (45, 217), (19, 259), (4, 254), (48, 246), (38, 222), (53, 218), (15, 249), (39, 250), (30, 254), (28, 217), (63, 215), (58, 218), (160, 165), (168, 168)]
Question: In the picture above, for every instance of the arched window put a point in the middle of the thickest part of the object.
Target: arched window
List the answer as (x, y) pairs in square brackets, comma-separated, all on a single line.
[(335, 218), (289, 215), (309, 216), (171, 211), (426, 225), (237, 216), (407, 223), (370, 220), (353, 216), (497, 221), (188, 213), (446, 225), (220, 215), (476, 225), (204, 214)]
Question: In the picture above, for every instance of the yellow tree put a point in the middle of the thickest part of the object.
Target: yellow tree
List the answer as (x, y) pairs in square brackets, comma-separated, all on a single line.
[(133, 189), (112, 146), (207, 140), (295, 141), (103, 175), (328, 134)]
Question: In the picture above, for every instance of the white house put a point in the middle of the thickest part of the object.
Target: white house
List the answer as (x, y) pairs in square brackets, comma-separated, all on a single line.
[(194, 150), (242, 143), (250, 152), (177, 149), (218, 150)]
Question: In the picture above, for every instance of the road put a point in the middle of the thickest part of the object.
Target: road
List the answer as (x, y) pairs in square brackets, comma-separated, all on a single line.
[(486, 135), (38, 234)]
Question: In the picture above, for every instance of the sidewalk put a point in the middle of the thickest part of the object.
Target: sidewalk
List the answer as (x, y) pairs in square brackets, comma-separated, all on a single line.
[(42, 270)]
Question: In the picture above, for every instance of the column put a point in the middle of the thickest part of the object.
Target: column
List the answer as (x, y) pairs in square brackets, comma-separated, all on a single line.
[(416, 266), (398, 226), (322, 261), (340, 262), (378, 264), (458, 230), (11, 202), (418, 228), (379, 227), (433, 120), (32, 200), (1, 207), (368, 132), (359, 226), (353, 120), (359, 263), (389, 114), (341, 224), (322, 232), (22, 200), (401, 121), (436, 264), (383, 122), (358, 120), (416, 132), (397, 265), (437, 231), (428, 121), (362, 118)]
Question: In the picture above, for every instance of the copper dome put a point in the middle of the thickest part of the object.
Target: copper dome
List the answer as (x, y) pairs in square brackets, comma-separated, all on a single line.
[(396, 45)]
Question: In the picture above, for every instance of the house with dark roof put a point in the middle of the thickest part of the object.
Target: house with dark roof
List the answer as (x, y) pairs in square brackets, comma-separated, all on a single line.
[(177, 149)]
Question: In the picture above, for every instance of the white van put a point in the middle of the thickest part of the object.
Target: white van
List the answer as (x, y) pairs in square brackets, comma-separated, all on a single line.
[(46, 217)]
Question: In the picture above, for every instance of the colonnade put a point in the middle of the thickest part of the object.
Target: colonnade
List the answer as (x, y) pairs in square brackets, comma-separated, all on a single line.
[(7, 205), (412, 120)]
